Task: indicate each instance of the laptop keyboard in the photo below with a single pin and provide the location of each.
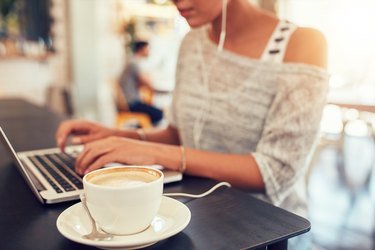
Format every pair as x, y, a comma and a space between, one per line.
58, 170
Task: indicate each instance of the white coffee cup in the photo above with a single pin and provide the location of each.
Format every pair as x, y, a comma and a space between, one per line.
125, 199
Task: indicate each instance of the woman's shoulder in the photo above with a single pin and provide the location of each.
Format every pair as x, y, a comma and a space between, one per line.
307, 46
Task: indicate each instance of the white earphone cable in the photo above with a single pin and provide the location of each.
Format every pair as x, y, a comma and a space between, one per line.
199, 122
223, 31
199, 195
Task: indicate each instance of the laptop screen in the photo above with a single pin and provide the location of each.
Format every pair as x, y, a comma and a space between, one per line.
8, 155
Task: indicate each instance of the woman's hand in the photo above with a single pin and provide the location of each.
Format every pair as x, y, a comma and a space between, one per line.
114, 149
82, 132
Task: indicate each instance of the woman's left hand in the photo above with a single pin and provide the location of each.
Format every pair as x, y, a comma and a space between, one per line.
113, 149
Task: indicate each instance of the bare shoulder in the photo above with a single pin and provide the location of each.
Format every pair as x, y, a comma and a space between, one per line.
308, 46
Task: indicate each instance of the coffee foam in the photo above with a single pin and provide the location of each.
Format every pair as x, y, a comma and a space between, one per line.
122, 178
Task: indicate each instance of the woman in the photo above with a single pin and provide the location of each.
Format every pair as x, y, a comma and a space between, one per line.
246, 109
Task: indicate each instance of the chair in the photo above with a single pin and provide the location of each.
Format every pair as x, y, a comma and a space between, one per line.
354, 122
331, 135
124, 115
58, 99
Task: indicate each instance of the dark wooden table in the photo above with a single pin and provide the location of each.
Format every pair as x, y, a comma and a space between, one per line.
227, 219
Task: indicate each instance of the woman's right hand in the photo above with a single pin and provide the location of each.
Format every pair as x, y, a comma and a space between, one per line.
81, 131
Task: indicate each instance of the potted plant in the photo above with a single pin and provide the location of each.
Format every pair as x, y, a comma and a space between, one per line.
7, 14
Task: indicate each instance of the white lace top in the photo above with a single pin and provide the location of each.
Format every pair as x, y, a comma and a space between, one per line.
266, 108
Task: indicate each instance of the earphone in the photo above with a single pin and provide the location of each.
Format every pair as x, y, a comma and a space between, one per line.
199, 122
223, 31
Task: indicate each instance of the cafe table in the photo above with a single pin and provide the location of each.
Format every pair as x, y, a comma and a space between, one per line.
228, 218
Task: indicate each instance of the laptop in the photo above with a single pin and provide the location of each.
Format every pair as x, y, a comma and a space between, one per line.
50, 173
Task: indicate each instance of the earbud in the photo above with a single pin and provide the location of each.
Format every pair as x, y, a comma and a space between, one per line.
220, 45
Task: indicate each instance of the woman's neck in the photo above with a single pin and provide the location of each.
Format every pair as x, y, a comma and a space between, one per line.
241, 17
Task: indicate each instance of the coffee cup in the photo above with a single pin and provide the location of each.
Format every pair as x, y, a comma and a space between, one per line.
123, 200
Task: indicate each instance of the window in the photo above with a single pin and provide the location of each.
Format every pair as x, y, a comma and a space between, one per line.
347, 25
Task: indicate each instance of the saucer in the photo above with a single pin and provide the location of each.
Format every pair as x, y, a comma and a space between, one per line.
172, 217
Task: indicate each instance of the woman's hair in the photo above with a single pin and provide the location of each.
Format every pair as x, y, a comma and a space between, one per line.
138, 45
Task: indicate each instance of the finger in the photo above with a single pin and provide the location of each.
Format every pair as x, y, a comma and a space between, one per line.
82, 139
67, 128
61, 142
89, 157
100, 162
77, 140
79, 159
62, 133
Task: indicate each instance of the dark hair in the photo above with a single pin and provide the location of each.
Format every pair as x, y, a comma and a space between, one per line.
138, 45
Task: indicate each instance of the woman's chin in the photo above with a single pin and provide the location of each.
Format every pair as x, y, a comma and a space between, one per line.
195, 23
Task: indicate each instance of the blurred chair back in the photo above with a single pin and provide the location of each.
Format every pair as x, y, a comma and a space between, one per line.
59, 99
124, 115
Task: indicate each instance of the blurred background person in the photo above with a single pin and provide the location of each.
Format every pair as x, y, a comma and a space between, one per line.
133, 79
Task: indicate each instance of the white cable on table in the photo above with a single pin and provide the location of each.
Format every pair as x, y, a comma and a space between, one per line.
202, 194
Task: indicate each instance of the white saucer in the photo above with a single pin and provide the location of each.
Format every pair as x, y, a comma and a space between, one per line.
172, 218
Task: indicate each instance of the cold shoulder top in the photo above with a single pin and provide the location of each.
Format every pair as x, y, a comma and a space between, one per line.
225, 102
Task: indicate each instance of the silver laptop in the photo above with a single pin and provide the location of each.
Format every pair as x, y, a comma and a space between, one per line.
50, 173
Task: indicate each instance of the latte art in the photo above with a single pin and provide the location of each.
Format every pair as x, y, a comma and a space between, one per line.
118, 182
123, 179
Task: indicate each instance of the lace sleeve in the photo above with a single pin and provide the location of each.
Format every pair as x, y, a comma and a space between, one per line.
290, 131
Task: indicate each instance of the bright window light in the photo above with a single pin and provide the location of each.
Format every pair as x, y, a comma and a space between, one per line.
347, 25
